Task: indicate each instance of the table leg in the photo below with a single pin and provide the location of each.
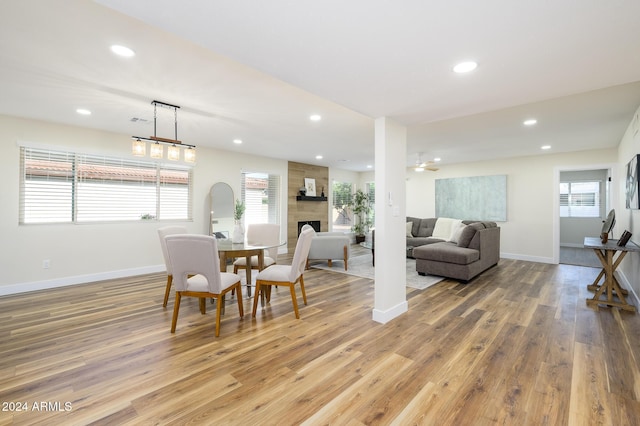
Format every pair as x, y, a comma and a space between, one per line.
248, 274
610, 284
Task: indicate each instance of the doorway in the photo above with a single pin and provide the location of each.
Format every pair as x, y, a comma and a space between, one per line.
584, 199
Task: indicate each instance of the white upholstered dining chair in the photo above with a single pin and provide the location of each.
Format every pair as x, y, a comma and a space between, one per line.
286, 275
162, 233
258, 234
196, 273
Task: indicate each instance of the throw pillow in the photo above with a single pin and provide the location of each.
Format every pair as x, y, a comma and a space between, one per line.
443, 228
457, 232
409, 227
467, 234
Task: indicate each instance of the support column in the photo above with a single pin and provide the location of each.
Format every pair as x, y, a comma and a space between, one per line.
390, 251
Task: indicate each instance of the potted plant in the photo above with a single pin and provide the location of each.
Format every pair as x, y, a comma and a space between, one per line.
361, 206
238, 229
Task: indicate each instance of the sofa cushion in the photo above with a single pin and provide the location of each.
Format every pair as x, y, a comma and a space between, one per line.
420, 241
425, 228
446, 252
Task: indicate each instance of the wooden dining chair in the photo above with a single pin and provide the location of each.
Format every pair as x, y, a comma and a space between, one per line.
196, 273
285, 275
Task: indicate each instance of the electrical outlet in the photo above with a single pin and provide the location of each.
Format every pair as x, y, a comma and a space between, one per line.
46, 263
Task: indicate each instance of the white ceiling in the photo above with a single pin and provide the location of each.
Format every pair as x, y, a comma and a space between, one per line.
256, 70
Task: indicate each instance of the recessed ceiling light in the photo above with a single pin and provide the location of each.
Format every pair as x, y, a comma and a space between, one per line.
530, 122
237, 141
369, 166
545, 147
83, 111
122, 51
437, 159
463, 67
315, 117
318, 157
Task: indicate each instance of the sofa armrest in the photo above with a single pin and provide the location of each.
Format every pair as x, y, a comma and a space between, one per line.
490, 245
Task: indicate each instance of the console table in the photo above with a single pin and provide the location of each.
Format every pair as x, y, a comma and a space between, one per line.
610, 287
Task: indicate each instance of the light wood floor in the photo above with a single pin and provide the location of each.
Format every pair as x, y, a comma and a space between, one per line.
516, 346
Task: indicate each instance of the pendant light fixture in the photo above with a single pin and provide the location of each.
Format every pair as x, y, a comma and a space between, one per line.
139, 145
156, 150
139, 148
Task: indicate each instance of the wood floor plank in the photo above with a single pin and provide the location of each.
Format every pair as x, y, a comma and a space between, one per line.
590, 402
517, 345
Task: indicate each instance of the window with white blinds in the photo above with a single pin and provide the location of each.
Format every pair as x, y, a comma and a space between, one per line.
371, 192
580, 199
260, 193
65, 187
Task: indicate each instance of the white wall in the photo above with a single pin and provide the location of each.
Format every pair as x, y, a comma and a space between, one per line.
625, 218
528, 232
87, 252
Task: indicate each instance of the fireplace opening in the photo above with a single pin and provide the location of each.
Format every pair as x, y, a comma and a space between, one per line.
315, 224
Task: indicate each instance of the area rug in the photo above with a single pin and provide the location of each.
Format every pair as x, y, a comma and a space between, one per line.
361, 266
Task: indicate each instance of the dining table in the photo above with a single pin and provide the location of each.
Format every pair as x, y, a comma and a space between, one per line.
230, 250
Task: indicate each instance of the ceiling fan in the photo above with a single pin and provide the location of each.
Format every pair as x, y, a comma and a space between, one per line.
421, 166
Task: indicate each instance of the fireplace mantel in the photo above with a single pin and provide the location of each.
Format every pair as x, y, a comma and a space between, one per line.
305, 198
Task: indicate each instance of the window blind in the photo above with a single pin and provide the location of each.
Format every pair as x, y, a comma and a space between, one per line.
580, 199
261, 194
69, 187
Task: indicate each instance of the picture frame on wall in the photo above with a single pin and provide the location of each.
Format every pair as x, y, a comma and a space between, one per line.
633, 201
310, 184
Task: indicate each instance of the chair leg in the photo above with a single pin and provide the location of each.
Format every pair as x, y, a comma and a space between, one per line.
295, 302
345, 257
269, 293
176, 308
329, 262
167, 290
240, 304
304, 295
203, 305
255, 298
218, 302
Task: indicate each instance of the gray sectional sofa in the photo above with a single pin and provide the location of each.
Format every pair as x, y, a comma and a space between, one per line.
474, 249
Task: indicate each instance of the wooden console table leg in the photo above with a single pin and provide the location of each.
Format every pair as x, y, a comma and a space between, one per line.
610, 284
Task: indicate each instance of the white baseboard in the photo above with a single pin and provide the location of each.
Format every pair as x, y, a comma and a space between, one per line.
627, 286
78, 279
384, 317
538, 259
